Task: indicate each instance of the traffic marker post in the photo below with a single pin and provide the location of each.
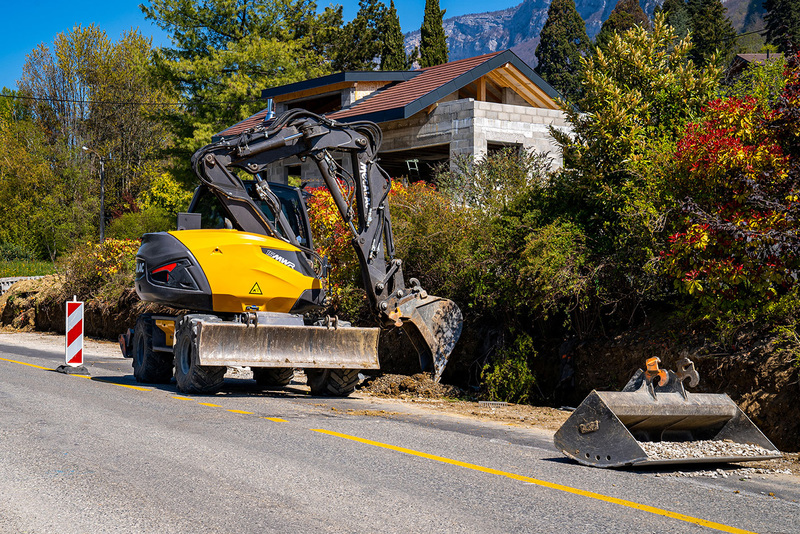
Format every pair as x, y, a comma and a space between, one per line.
73, 342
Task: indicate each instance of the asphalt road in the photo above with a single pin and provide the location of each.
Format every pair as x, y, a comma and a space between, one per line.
108, 455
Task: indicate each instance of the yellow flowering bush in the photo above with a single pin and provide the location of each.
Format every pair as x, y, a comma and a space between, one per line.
94, 267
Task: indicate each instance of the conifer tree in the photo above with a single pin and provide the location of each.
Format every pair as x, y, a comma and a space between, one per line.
712, 32
782, 21
433, 42
563, 41
677, 16
393, 54
626, 15
360, 42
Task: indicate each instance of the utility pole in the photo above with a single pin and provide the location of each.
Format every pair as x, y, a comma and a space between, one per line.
102, 192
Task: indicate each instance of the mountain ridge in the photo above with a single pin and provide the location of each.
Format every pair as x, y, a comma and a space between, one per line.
518, 27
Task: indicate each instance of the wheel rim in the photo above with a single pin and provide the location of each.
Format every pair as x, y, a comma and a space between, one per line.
185, 358
138, 351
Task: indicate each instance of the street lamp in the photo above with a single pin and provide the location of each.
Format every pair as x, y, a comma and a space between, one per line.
102, 191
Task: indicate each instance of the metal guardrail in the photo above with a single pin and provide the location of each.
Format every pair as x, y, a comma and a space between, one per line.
6, 283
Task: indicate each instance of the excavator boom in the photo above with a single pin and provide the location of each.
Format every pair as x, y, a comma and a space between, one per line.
432, 323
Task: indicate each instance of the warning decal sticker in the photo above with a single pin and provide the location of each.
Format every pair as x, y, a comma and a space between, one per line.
256, 290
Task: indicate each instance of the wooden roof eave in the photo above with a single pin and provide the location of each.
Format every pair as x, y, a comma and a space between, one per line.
546, 96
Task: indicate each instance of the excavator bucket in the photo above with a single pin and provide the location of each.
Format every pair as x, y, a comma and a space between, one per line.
434, 325
655, 421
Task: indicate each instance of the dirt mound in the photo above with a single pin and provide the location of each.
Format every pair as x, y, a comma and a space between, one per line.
420, 385
40, 305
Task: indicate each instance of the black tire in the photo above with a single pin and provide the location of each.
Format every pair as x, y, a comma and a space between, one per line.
190, 376
148, 366
272, 376
332, 382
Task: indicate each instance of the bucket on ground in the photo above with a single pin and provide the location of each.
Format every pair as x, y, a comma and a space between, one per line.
654, 421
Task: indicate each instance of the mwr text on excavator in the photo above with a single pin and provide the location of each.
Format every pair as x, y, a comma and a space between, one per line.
243, 264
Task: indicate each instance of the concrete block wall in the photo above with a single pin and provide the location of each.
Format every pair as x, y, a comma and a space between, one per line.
468, 126
449, 123
517, 125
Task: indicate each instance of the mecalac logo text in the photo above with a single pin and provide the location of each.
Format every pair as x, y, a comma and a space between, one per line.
277, 257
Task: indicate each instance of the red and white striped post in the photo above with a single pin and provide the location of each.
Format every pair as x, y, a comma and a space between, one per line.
74, 338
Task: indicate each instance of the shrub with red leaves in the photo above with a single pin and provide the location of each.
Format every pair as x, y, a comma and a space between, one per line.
739, 172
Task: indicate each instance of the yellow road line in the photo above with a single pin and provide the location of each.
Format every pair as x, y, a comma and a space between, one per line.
183, 398
543, 483
28, 364
275, 419
209, 404
241, 411
137, 388
93, 378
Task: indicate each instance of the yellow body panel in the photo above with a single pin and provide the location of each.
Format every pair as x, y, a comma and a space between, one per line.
241, 276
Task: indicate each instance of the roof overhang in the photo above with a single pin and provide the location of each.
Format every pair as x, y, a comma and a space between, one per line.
505, 69
333, 82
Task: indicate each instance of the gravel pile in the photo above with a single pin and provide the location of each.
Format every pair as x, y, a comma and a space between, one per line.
675, 450
744, 473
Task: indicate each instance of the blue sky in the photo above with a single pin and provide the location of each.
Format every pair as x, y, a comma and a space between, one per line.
26, 24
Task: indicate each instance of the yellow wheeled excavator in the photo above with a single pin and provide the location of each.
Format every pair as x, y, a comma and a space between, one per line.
243, 263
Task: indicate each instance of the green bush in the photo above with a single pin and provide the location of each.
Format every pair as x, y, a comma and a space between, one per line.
165, 193
509, 378
100, 270
15, 251
134, 225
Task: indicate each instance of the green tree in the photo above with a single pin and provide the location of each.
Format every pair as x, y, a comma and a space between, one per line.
92, 91
626, 15
563, 41
713, 35
762, 82
433, 42
640, 91
225, 52
12, 107
677, 16
48, 202
782, 21
393, 54
361, 41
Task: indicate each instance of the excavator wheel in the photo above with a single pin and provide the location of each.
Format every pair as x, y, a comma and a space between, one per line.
273, 376
332, 382
148, 366
190, 376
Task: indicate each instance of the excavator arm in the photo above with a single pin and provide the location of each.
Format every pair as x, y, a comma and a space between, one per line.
432, 323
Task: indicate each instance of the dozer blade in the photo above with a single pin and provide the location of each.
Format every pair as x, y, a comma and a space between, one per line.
651, 424
434, 325
232, 344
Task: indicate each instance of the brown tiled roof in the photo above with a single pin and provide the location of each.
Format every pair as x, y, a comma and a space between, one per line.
404, 93
412, 91
758, 59
239, 127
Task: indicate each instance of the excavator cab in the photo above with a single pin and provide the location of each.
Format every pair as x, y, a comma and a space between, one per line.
213, 214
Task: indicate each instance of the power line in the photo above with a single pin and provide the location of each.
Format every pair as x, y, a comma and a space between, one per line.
128, 103
760, 32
